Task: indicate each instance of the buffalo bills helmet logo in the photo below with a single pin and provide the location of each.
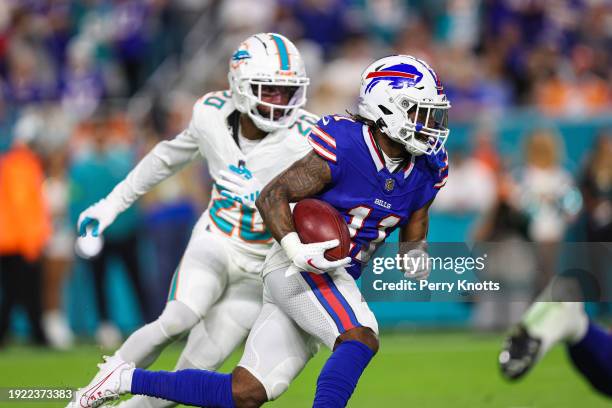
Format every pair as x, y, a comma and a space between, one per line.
399, 76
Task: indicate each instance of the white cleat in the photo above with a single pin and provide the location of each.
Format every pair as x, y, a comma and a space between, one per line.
112, 380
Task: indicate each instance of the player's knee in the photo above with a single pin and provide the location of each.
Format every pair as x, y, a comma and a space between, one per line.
247, 391
176, 319
363, 335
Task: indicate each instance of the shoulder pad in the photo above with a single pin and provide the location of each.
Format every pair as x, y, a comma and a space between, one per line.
325, 135
304, 122
308, 116
215, 99
212, 105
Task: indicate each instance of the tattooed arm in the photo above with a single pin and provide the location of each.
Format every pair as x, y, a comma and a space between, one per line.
413, 244
418, 224
303, 179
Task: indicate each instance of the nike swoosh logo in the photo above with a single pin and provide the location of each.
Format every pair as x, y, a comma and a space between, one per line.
90, 393
309, 262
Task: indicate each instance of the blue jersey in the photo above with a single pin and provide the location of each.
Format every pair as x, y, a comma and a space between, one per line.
373, 200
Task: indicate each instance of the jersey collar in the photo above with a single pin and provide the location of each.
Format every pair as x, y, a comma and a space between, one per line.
409, 166
233, 123
376, 155
377, 158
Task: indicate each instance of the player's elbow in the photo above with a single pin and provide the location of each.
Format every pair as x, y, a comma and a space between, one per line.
266, 198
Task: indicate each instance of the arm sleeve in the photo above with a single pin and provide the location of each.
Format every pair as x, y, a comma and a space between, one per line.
166, 158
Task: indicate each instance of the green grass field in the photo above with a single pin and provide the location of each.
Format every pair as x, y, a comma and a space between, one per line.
412, 370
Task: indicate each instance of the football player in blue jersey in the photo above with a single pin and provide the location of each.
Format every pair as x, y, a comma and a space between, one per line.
381, 169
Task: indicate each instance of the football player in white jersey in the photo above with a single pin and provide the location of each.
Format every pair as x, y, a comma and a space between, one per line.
248, 135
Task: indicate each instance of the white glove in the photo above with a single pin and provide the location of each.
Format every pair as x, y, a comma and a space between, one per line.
97, 218
310, 257
88, 246
417, 264
240, 185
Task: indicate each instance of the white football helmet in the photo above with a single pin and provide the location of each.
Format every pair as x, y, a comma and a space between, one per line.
263, 60
404, 97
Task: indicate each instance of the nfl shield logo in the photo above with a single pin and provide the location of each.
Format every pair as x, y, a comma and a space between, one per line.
389, 184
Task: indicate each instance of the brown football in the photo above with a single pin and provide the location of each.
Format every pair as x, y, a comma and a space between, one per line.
317, 221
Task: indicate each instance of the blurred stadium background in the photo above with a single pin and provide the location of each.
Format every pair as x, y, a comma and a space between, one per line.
90, 86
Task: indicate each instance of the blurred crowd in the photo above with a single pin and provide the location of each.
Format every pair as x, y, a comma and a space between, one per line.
70, 69
490, 54
67, 72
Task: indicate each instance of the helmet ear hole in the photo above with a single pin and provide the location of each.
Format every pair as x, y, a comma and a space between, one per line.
380, 123
384, 110
405, 103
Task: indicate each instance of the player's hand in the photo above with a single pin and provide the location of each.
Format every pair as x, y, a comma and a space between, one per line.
240, 185
96, 218
417, 265
311, 257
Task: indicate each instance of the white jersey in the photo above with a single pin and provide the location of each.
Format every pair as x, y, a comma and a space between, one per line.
210, 135
217, 143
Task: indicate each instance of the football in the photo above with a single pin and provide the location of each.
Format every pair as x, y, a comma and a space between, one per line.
317, 221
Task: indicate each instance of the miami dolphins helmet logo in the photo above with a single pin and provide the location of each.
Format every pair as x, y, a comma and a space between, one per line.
241, 55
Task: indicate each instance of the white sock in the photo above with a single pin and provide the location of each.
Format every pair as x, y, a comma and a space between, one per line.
146, 344
125, 381
582, 324
554, 322
143, 401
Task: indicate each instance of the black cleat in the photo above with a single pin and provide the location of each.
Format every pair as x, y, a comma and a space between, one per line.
519, 353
